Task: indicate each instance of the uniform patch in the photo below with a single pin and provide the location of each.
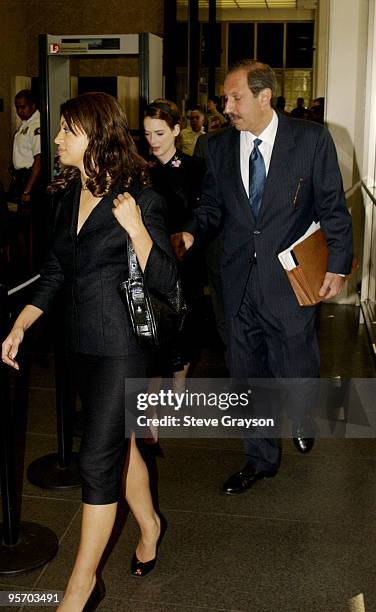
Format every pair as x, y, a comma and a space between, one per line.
37, 131
25, 131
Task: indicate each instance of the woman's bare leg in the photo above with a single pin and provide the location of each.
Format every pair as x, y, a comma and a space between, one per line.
138, 496
96, 527
179, 379
151, 412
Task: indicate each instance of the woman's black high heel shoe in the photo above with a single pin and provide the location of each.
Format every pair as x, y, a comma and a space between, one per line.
140, 569
96, 596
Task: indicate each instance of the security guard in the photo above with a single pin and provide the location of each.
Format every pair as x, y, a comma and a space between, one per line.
25, 188
26, 149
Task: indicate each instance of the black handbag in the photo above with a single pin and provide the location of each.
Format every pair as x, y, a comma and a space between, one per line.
156, 319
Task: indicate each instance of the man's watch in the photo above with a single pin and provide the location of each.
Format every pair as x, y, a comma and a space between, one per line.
26, 193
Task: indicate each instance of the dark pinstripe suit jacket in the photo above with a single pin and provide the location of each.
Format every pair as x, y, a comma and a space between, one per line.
303, 184
90, 266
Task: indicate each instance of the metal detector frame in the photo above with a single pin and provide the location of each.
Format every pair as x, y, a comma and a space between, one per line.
55, 52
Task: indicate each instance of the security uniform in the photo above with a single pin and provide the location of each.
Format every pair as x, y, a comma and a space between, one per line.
26, 146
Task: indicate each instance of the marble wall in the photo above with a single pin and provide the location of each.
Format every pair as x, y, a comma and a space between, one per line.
13, 61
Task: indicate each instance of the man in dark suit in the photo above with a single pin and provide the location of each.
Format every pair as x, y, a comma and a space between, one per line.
268, 178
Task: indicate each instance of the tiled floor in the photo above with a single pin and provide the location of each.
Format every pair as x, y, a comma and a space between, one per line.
304, 541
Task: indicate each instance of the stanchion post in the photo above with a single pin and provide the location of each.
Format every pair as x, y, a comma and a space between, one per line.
11, 521
24, 546
65, 406
59, 470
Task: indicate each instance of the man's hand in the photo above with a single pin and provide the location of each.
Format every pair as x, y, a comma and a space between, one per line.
181, 242
26, 197
332, 285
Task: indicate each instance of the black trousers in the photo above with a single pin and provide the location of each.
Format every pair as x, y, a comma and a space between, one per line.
264, 346
100, 382
35, 212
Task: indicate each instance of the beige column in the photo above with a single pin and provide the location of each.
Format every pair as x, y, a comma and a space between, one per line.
346, 84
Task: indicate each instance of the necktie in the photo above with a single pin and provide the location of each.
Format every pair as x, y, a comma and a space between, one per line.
257, 176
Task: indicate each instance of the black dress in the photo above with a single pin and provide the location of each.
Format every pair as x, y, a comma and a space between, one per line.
87, 268
179, 182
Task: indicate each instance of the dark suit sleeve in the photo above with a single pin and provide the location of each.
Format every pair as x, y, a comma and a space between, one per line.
208, 215
50, 283
330, 205
51, 275
201, 147
161, 271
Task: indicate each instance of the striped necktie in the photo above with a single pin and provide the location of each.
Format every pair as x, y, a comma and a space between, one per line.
257, 177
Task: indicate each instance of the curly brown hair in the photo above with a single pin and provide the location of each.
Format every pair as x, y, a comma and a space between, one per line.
111, 155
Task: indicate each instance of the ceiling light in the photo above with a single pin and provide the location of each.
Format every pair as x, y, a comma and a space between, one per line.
281, 4
249, 4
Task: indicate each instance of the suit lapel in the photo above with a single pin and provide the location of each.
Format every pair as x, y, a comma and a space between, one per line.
72, 211
70, 204
280, 163
235, 172
101, 214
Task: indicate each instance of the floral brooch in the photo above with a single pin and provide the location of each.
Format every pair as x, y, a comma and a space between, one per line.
176, 162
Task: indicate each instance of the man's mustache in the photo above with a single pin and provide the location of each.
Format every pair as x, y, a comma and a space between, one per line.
232, 117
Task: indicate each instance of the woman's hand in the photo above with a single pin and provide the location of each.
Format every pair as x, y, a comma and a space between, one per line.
128, 214
10, 347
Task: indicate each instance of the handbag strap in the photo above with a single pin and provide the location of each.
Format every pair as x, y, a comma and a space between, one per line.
133, 265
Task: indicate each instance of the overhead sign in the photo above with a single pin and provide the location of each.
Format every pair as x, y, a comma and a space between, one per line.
122, 44
71, 48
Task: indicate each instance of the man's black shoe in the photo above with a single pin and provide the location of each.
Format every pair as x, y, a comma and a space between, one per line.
303, 435
243, 480
304, 445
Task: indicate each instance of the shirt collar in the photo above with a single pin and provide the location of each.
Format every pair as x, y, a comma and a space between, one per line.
34, 116
202, 130
268, 134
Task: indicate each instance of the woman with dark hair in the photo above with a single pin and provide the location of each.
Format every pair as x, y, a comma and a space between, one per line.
88, 260
177, 177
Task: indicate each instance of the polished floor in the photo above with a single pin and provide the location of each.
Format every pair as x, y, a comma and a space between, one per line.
304, 541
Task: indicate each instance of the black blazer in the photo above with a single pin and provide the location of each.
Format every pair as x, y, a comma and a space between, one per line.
179, 181
88, 267
303, 184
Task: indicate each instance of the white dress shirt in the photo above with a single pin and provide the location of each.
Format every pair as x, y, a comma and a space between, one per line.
188, 139
266, 148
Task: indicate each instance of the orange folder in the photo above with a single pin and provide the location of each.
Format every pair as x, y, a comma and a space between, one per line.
311, 258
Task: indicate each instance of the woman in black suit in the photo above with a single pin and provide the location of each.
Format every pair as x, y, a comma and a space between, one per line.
177, 177
87, 261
